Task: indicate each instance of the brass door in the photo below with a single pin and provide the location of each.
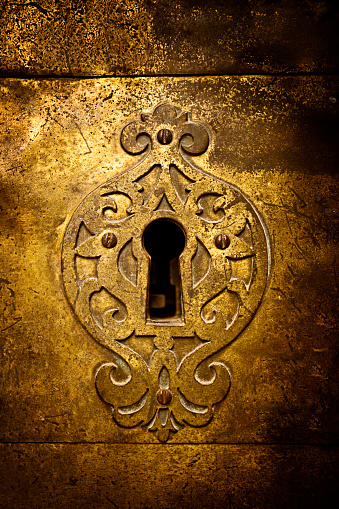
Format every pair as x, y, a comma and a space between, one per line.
239, 103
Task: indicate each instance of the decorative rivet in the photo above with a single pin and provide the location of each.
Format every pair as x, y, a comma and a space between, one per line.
164, 136
222, 241
164, 396
109, 240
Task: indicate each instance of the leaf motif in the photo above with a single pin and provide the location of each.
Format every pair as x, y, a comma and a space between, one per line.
226, 303
134, 138
116, 206
207, 208
219, 204
238, 249
236, 217
91, 248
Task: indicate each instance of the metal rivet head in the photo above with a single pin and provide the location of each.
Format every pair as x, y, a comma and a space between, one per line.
109, 240
164, 136
164, 396
222, 241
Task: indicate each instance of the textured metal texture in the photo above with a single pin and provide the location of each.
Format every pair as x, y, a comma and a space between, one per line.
204, 477
150, 37
274, 142
272, 441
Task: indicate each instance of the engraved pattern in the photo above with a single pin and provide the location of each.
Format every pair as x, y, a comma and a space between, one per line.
220, 288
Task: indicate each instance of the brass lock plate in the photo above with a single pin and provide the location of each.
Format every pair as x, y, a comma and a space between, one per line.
263, 140
165, 265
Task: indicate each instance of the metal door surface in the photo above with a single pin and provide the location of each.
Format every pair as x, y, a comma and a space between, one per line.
222, 121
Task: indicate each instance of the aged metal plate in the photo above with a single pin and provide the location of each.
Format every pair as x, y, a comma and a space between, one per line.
273, 138
167, 37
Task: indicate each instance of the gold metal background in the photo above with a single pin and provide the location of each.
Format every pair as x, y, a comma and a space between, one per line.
272, 441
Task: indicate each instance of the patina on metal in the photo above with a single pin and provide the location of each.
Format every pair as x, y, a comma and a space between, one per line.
167, 275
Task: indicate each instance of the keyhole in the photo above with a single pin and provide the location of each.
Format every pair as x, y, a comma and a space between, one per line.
164, 241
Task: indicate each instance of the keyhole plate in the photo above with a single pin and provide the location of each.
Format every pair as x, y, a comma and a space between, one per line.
162, 253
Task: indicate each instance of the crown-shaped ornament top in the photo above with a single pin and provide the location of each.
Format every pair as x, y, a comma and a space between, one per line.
166, 126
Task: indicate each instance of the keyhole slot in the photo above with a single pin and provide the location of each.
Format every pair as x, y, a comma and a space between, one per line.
164, 241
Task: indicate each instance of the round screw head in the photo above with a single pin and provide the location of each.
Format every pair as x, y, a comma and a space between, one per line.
164, 396
222, 241
109, 240
164, 136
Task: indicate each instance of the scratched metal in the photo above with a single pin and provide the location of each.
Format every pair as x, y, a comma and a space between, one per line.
115, 37
204, 476
273, 138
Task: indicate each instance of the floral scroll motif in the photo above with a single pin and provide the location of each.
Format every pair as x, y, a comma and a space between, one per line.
166, 373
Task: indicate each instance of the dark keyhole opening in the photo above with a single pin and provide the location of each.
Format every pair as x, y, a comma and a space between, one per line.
164, 241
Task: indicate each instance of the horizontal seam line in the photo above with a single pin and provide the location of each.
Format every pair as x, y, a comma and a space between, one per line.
256, 444
134, 76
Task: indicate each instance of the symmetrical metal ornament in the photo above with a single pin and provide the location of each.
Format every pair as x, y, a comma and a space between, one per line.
165, 265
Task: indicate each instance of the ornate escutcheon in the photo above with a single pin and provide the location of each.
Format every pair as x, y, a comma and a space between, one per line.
165, 265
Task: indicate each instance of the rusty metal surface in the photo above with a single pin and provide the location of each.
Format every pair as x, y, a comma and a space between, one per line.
271, 137
109, 37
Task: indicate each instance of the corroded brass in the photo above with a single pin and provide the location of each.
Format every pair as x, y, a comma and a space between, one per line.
165, 280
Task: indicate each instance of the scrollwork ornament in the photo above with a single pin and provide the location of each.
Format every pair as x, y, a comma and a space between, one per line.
154, 381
